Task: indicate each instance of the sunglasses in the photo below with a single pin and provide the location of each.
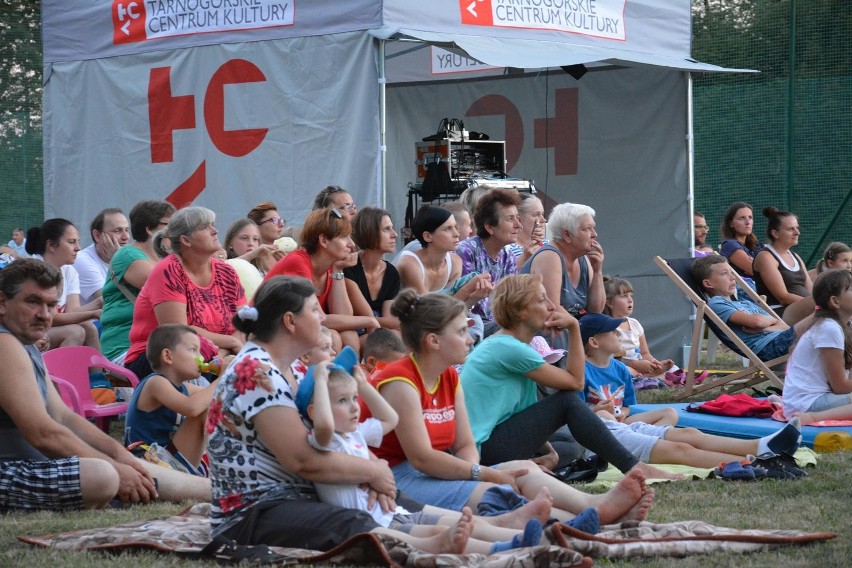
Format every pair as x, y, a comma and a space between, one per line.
276, 220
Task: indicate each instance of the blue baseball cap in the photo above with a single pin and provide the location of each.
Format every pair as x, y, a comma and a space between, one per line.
592, 324
345, 361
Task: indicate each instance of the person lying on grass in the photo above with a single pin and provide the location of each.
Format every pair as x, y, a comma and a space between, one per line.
609, 391
165, 409
328, 397
50, 457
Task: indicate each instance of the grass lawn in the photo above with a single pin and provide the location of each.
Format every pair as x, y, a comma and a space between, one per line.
817, 503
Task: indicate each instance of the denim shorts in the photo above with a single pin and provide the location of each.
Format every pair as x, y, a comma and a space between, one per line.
829, 400
780, 345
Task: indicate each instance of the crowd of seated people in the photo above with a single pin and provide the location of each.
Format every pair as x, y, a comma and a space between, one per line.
170, 310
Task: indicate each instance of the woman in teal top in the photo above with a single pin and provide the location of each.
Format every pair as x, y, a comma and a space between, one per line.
501, 376
128, 271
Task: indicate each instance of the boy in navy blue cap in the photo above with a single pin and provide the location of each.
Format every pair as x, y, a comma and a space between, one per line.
650, 436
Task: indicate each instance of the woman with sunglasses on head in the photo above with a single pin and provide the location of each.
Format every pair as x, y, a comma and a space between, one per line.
325, 249
271, 226
337, 197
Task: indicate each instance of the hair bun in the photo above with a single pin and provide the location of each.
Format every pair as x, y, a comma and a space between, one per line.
770, 211
405, 303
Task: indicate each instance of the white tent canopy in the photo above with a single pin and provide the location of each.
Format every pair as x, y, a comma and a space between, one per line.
227, 103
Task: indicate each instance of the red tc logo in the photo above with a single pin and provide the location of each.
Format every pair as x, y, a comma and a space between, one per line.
168, 112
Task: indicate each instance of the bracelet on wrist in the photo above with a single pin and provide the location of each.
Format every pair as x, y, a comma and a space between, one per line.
337, 276
475, 472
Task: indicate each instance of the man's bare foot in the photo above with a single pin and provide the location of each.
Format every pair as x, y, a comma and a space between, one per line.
639, 511
455, 539
619, 500
651, 472
539, 508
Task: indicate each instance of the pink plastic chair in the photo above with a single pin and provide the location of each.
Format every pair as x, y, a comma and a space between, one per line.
72, 364
69, 395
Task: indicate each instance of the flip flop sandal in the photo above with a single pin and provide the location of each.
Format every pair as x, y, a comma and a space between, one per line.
675, 378
701, 377
735, 471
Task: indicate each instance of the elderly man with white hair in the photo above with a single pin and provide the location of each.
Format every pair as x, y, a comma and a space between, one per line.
572, 263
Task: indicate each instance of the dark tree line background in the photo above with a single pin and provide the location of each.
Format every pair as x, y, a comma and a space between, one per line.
759, 137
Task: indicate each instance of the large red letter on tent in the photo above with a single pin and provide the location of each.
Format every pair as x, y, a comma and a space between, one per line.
166, 114
560, 132
231, 142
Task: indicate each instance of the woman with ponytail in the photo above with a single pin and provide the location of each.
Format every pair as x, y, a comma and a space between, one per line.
57, 243
432, 451
836, 255
261, 464
817, 385
779, 273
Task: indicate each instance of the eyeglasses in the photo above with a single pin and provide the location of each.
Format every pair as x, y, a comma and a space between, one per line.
349, 207
701, 227
276, 220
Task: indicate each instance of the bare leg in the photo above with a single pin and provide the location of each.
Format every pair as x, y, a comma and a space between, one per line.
798, 311
98, 482
709, 442
651, 472
190, 438
178, 486
665, 451
501, 527
838, 413
66, 335
350, 338
611, 506
92, 337
661, 417
454, 540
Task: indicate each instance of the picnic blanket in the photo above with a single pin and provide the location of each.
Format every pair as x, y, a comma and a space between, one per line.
188, 532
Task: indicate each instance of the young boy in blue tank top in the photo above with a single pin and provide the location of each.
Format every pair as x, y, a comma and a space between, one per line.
165, 409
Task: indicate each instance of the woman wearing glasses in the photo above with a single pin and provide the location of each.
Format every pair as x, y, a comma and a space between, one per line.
337, 197
271, 224
325, 249
128, 271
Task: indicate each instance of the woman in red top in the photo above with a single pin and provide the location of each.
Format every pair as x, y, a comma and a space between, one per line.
432, 451
190, 287
325, 249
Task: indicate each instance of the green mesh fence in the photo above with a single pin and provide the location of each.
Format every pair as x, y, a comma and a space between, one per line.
21, 177
782, 137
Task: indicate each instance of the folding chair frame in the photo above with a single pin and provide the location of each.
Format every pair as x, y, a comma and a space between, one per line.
757, 372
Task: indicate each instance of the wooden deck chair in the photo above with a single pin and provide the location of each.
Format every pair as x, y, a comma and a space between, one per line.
757, 371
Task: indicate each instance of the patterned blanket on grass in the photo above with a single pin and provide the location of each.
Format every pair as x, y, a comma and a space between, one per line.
188, 533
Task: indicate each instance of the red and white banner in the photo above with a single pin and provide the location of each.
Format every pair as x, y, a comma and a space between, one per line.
596, 18
142, 20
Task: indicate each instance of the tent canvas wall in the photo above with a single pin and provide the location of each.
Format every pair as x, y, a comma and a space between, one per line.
226, 103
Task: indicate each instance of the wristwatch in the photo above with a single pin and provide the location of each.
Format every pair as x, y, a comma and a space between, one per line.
475, 472
337, 276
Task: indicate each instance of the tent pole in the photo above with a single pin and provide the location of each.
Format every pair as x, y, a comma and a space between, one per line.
690, 163
382, 126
